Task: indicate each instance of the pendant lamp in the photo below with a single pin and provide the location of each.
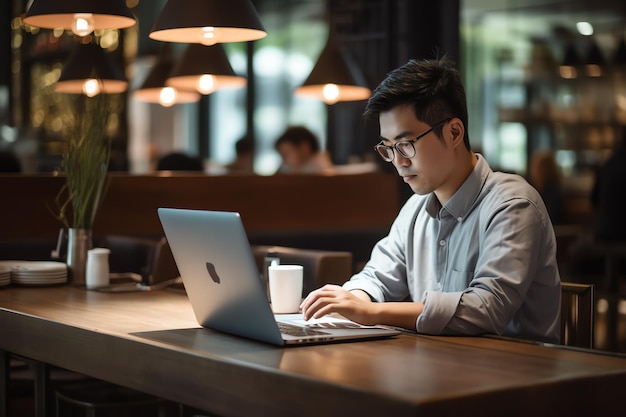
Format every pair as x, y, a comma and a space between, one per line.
204, 69
155, 90
90, 70
335, 77
208, 22
80, 16
569, 66
619, 58
594, 61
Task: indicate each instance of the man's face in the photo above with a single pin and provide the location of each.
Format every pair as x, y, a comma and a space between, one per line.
433, 162
294, 156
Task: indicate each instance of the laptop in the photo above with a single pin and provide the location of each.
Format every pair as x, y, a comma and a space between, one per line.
225, 289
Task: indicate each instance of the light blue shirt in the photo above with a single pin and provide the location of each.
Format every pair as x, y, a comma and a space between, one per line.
483, 263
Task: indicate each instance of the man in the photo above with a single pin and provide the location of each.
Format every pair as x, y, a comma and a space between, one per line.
300, 152
474, 250
244, 157
609, 223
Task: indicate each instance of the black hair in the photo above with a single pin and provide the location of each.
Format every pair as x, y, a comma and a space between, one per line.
244, 145
178, 161
297, 135
433, 87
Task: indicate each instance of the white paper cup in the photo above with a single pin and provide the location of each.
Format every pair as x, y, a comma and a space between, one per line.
285, 288
97, 275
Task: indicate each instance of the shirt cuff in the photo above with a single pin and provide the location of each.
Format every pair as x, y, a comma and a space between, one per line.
439, 308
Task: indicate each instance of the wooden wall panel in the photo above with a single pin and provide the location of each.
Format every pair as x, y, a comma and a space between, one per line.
274, 203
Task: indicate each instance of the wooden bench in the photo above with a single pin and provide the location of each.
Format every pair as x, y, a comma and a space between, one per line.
308, 211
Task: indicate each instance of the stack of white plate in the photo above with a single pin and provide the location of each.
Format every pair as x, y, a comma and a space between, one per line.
37, 272
5, 275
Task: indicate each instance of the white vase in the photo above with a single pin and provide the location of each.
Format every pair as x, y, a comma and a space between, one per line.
79, 241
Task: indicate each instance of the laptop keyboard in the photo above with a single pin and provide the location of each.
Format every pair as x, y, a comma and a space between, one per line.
298, 331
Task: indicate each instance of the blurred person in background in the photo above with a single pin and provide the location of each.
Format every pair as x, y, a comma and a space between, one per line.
544, 174
607, 199
244, 157
300, 152
591, 254
178, 161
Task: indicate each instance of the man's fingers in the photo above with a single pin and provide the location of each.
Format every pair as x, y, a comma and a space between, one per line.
308, 305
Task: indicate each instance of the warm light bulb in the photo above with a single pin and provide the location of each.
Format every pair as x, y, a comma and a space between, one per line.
83, 24
330, 93
208, 36
593, 70
167, 96
206, 84
568, 72
620, 101
91, 87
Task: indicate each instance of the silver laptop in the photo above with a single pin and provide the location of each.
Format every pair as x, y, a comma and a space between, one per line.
223, 283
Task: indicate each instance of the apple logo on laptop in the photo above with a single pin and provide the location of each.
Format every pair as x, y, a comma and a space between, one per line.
212, 272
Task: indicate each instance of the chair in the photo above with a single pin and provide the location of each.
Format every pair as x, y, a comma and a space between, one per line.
104, 399
131, 254
28, 385
577, 314
320, 266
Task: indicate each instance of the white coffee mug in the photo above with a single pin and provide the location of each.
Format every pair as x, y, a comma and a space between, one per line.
285, 283
97, 274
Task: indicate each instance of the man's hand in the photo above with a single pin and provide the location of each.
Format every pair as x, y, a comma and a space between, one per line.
357, 306
353, 305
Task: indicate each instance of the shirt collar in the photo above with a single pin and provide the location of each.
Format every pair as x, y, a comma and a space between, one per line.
463, 200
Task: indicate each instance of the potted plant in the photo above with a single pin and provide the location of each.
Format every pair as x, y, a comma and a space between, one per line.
85, 166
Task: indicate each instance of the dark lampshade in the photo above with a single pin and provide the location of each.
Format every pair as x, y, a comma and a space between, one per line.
204, 69
88, 14
208, 22
154, 88
335, 77
571, 58
90, 70
571, 62
594, 61
619, 58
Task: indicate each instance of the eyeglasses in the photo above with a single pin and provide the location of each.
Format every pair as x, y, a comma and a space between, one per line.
405, 147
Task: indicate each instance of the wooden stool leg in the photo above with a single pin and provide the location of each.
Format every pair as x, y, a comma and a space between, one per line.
42, 388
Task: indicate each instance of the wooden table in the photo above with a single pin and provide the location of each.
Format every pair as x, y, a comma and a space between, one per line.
150, 341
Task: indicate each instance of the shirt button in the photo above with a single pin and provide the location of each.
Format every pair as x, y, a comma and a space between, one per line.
459, 219
442, 242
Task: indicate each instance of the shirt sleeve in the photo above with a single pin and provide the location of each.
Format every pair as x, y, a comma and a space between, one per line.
513, 238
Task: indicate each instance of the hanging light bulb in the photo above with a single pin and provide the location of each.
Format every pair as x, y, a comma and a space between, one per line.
208, 36
83, 24
167, 96
206, 84
330, 93
91, 87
